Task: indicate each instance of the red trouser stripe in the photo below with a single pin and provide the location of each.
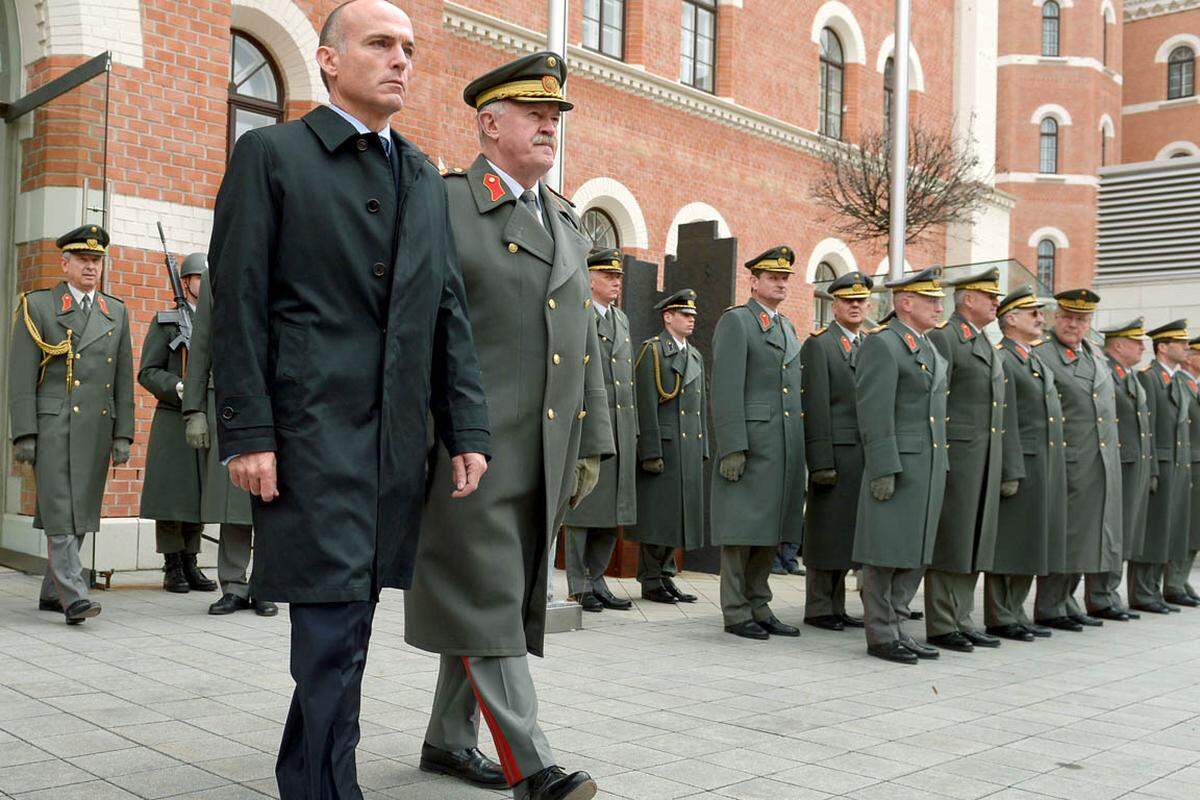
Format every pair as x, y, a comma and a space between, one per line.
512, 773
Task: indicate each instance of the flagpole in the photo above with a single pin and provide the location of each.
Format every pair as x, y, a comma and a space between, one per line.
899, 135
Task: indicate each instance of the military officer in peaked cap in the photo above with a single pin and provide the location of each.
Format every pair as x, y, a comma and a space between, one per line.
1167, 523
901, 387
672, 446
1176, 578
758, 485
834, 452
592, 525
70, 397
479, 594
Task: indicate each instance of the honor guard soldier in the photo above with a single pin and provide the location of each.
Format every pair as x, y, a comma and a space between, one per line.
1089, 407
174, 471
900, 382
1176, 580
592, 526
1169, 517
1031, 529
220, 501
834, 452
1124, 345
672, 448
71, 402
759, 483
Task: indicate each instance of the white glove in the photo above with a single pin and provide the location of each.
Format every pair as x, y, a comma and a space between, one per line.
179, 389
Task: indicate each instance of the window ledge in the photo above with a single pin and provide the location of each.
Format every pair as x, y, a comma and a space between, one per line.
1050, 177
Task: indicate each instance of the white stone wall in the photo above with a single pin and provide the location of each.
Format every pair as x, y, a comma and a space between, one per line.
88, 27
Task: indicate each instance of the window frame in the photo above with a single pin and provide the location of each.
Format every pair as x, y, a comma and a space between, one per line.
616, 232
600, 24
889, 92
1044, 271
826, 67
1054, 19
1043, 134
234, 100
708, 7
823, 307
1182, 66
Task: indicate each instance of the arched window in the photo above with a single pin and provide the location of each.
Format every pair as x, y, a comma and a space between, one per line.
1181, 73
889, 92
601, 228
1103, 148
1045, 264
1048, 160
1050, 28
1181, 154
832, 80
822, 308
255, 90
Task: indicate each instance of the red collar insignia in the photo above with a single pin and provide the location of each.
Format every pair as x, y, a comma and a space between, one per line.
1192, 385
66, 303
1166, 378
911, 342
1120, 371
966, 331
1021, 351
845, 344
764, 319
103, 306
1071, 355
493, 184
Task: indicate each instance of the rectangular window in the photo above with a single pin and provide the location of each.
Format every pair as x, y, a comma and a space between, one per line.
604, 26
698, 44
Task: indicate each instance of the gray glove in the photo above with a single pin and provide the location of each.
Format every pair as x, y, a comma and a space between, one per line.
195, 430
1153, 484
883, 488
587, 475
654, 466
1009, 488
25, 450
733, 465
120, 451
824, 477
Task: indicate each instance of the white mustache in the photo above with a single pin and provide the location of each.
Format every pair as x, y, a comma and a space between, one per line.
542, 139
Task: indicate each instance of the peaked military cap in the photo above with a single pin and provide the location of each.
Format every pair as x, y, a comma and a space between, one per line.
777, 259
608, 260
1133, 329
85, 239
851, 286
683, 301
194, 264
927, 282
987, 281
1082, 301
1194, 343
1021, 297
535, 78
1172, 331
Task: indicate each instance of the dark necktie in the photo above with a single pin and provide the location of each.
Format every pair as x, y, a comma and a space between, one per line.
854, 350
86, 303
529, 203
393, 161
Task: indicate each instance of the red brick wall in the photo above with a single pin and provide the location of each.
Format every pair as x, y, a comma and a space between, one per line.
1146, 82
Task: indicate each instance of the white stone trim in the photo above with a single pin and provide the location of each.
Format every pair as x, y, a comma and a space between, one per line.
1160, 105
886, 264
47, 212
1108, 12
1164, 49
1067, 179
1174, 147
89, 27
1143, 9
836, 252
287, 33
841, 20
1053, 234
1106, 125
916, 73
615, 199
1060, 114
1061, 3
694, 212
1080, 62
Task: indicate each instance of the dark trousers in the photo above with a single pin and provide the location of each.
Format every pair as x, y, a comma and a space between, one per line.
329, 654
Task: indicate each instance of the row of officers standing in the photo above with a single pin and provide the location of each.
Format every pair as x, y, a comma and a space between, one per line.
916, 450
72, 409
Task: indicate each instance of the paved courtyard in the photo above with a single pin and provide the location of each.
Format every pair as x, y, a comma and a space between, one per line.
156, 699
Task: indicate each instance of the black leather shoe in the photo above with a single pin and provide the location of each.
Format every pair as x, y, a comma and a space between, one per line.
1132, 614
797, 570
264, 608
916, 616
980, 639
773, 626
918, 649
1153, 608
681, 596
1115, 614
609, 600
53, 604
852, 622
589, 602
892, 651
658, 594
553, 783
469, 766
1173, 609
1181, 600
1192, 593
1061, 624
748, 630
778, 570
952, 641
829, 623
173, 578
80, 610
1018, 633
1086, 620
1039, 631
228, 604
196, 580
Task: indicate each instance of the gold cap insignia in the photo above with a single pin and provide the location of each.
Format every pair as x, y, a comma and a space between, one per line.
550, 84
551, 62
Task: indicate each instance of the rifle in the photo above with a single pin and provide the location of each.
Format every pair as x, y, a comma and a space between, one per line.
181, 314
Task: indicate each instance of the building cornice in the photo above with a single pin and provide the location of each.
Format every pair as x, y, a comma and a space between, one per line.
1061, 179
1078, 62
1143, 9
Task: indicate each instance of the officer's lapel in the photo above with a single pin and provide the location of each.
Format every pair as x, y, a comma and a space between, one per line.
771, 327
520, 230
99, 323
523, 230
792, 347
693, 366
570, 246
70, 315
621, 345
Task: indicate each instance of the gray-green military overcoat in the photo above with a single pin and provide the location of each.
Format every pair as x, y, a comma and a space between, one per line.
614, 501
670, 505
1032, 526
1085, 389
831, 441
901, 390
1194, 436
1168, 520
479, 587
75, 424
757, 405
981, 453
220, 500
172, 480
1138, 463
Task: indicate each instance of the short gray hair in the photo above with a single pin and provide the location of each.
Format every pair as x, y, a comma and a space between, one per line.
497, 108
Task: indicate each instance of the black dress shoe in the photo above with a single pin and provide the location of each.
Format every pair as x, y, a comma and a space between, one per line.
1192, 593
1132, 614
469, 765
228, 604
918, 649
80, 610
589, 602
892, 651
609, 600
553, 783
1039, 631
748, 630
778, 570
851, 622
954, 640
829, 623
980, 639
1086, 619
1018, 633
797, 570
1115, 614
1181, 600
265, 608
53, 604
1061, 624
658, 594
681, 596
1173, 609
1153, 608
773, 626
916, 616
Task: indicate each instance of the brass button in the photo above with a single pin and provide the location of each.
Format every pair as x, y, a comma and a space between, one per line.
76, 382
587, 303
685, 436
618, 406
682, 413
551, 303
787, 413
361, 144
557, 359
613, 360
104, 412
785, 390
75, 409
109, 359
108, 386
512, 247
586, 359
78, 356
550, 413
581, 415
373, 205
110, 333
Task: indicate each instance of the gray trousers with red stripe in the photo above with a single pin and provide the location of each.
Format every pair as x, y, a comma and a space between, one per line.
500, 690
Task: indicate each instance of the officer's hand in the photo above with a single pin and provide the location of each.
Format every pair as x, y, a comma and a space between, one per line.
587, 475
195, 430
255, 473
733, 465
179, 389
467, 470
883, 488
1009, 488
120, 451
25, 450
824, 477
1153, 484
654, 466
